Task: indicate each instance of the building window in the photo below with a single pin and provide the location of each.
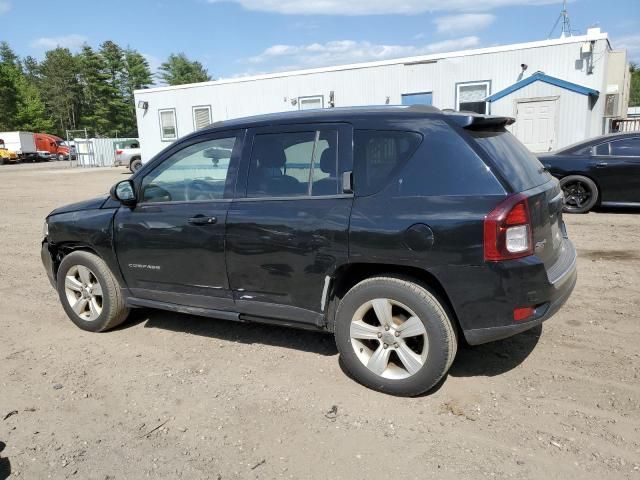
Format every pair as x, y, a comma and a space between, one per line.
470, 96
310, 103
201, 117
424, 98
168, 125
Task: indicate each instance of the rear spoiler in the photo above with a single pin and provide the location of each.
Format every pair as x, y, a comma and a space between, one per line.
476, 121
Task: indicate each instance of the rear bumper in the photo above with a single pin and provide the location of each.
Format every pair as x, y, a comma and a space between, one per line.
485, 296
544, 312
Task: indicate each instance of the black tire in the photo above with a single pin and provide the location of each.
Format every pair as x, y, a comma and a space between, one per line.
136, 164
440, 335
580, 193
113, 308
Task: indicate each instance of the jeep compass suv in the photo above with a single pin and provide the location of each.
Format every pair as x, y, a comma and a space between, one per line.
397, 229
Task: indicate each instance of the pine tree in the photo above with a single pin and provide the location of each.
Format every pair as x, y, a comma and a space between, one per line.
178, 70
60, 88
96, 92
137, 76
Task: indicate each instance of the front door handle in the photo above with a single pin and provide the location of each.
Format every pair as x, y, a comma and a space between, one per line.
601, 164
202, 220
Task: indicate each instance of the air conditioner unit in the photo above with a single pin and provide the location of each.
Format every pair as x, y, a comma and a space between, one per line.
611, 105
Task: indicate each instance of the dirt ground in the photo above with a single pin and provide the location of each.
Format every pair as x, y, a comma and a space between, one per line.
174, 396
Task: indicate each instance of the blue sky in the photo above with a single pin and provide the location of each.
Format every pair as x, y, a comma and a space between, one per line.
237, 37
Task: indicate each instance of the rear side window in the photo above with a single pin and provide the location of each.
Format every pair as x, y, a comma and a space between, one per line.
294, 164
378, 155
629, 147
518, 165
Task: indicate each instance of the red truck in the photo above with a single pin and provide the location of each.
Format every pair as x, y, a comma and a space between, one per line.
56, 147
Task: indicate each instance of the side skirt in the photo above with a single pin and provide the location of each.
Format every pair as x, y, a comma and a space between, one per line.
219, 314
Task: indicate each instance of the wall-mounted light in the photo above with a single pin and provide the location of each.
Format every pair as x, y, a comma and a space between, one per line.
143, 105
294, 101
386, 102
332, 99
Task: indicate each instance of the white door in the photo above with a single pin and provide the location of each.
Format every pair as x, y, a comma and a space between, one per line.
536, 124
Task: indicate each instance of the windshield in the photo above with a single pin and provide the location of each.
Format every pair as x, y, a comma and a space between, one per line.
518, 165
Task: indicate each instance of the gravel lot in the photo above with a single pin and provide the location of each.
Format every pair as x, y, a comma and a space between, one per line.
172, 396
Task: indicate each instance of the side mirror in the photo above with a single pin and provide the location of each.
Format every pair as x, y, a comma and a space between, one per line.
124, 192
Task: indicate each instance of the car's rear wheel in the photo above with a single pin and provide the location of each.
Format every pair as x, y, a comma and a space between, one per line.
580, 193
89, 292
135, 165
394, 336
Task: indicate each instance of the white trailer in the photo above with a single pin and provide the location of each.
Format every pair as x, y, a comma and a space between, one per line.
23, 143
560, 91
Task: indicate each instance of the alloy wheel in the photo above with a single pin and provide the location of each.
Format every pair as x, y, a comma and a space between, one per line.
84, 292
389, 338
576, 194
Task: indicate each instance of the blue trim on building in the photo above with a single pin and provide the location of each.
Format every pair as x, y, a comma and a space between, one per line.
539, 76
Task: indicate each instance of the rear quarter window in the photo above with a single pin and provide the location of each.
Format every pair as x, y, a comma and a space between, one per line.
378, 155
445, 165
516, 163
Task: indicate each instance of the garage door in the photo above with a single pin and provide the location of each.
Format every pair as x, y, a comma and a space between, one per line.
536, 124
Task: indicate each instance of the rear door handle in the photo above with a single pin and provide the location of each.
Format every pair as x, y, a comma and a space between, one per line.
202, 220
601, 164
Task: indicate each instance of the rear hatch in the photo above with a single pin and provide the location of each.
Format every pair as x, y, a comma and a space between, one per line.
525, 174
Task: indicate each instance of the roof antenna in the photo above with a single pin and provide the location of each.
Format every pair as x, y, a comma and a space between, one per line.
566, 23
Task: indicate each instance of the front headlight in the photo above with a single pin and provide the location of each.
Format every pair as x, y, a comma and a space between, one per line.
45, 229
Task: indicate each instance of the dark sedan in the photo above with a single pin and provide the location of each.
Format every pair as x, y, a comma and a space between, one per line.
600, 171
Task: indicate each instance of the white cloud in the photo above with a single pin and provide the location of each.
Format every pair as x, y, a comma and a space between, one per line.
5, 6
463, 23
72, 42
340, 52
375, 7
631, 43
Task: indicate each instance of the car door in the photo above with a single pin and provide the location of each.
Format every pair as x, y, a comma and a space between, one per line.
288, 231
616, 168
171, 245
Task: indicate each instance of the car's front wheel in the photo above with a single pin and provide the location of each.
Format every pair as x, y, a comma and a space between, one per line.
580, 193
89, 292
394, 336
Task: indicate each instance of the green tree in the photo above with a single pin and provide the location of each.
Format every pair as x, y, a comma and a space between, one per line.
8, 56
60, 88
634, 94
96, 91
115, 102
178, 70
8, 96
137, 76
30, 110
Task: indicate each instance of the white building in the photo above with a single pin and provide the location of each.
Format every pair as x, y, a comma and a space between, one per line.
560, 91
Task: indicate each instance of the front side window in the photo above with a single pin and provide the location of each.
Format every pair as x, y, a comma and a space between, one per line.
198, 172
628, 147
293, 164
168, 125
471, 97
377, 155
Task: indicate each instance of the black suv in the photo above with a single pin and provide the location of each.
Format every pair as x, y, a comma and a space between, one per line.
398, 229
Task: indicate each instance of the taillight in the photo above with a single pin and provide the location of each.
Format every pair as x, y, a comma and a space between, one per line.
508, 231
118, 152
